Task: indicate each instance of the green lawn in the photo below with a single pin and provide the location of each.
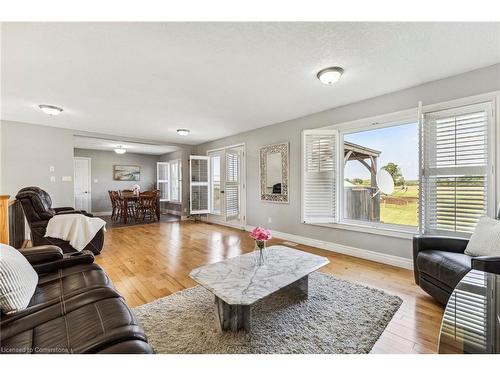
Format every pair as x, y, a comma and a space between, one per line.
399, 214
409, 191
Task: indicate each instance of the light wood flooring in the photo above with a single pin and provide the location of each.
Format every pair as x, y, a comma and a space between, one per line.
150, 261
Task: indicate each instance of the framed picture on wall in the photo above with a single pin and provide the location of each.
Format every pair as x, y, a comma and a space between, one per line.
126, 173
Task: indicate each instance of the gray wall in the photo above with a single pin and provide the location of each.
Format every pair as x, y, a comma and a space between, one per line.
102, 170
183, 154
286, 217
28, 151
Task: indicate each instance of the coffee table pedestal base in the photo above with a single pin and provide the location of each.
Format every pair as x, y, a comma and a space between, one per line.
231, 317
236, 317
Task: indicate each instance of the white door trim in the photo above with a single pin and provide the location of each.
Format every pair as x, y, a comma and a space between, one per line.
90, 179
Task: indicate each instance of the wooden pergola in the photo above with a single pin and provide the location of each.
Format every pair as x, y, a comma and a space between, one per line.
366, 156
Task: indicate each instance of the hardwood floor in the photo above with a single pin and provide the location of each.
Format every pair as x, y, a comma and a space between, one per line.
150, 261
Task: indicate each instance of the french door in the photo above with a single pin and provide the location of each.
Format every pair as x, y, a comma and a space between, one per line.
227, 185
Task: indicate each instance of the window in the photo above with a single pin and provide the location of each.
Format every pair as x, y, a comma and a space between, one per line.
395, 149
163, 180
441, 168
169, 181
456, 171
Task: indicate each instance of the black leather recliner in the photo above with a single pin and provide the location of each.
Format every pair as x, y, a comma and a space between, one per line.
37, 207
439, 263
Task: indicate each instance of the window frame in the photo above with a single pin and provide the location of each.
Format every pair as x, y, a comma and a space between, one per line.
374, 125
494, 156
491, 102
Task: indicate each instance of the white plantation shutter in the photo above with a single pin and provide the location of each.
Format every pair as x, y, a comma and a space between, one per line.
162, 180
232, 188
199, 184
319, 185
455, 169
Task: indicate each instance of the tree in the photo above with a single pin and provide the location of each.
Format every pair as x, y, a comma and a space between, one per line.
395, 172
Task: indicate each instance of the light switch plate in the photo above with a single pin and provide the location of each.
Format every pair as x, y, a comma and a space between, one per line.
96, 181
52, 178
52, 168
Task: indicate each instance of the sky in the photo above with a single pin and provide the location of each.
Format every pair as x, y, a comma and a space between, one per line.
398, 144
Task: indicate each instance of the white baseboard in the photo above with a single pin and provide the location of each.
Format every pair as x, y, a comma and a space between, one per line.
343, 249
226, 224
172, 212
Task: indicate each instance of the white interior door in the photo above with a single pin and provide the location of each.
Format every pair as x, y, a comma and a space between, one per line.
82, 183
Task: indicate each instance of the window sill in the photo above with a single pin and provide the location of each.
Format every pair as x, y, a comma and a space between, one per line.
389, 232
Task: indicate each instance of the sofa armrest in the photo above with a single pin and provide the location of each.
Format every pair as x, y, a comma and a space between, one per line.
68, 260
42, 254
486, 263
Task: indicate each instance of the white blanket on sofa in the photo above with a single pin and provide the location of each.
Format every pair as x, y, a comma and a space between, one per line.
78, 229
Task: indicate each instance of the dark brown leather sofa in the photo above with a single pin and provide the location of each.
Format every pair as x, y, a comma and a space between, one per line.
75, 309
37, 207
439, 263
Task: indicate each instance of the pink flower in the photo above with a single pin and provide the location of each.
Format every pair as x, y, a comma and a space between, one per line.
261, 234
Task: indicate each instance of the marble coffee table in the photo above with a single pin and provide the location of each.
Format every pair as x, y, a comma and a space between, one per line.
239, 282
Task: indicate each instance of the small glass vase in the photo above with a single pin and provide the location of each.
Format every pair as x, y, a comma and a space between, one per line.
260, 254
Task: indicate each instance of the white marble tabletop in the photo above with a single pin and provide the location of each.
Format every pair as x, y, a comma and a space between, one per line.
240, 281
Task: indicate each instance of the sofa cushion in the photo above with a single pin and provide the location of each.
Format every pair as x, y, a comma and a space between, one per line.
445, 266
18, 280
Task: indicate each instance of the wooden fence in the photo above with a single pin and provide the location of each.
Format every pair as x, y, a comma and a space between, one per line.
360, 204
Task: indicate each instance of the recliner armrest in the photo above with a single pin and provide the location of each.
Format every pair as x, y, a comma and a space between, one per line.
74, 212
486, 263
68, 260
42, 254
59, 209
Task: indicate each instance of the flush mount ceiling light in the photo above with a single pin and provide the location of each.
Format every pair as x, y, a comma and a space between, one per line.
331, 75
120, 150
51, 110
183, 132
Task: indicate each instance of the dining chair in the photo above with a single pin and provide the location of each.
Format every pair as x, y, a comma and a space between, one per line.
146, 205
113, 204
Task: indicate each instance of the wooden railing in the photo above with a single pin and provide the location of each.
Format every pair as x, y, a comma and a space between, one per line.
4, 219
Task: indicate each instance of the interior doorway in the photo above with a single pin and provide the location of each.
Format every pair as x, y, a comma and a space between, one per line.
82, 183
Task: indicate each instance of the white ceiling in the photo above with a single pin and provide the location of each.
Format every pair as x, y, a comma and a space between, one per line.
94, 143
145, 80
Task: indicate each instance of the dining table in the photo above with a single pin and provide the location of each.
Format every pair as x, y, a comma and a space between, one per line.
131, 197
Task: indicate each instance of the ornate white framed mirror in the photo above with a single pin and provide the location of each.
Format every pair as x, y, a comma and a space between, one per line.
274, 170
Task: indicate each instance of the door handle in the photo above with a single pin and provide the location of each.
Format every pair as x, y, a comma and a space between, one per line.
222, 191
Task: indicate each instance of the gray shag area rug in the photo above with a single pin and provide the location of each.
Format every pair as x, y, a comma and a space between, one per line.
337, 317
